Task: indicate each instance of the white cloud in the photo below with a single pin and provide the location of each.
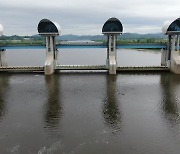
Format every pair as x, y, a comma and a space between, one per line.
142, 29
86, 17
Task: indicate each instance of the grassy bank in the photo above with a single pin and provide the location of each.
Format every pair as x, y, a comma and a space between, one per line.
41, 42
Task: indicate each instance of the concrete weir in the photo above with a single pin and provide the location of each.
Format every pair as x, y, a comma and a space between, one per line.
22, 69
118, 69
84, 68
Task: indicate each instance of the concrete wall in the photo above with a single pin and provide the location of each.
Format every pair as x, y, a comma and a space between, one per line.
175, 62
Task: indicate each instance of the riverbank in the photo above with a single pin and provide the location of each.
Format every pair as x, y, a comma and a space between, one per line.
122, 46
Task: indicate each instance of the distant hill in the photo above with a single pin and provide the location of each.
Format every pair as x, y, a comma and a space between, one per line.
102, 37
71, 37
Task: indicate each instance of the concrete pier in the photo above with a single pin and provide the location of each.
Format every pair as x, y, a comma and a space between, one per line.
171, 56
50, 55
49, 29
111, 59
112, 28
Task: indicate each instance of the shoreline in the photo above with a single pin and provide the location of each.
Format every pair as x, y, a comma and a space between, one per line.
119, 46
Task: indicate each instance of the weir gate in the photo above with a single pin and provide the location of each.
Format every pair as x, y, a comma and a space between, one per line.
84, 67
170, 60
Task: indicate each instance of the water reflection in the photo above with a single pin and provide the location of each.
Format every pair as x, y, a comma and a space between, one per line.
170, 85
111, 111
53, 106
4, 84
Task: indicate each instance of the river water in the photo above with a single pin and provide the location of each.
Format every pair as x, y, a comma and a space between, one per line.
84, 56
89, 112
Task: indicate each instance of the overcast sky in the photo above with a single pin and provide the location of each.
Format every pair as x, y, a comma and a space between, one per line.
86, 17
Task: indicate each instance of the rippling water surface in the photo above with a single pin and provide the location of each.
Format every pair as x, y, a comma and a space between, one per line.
89, 113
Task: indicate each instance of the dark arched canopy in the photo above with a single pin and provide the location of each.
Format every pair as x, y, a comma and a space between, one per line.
47, 27
171, 27
174, 26
112, 25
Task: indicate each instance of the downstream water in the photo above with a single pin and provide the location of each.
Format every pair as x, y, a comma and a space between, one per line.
89, 113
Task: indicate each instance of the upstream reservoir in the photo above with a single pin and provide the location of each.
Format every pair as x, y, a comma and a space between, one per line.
21, 56
82, 112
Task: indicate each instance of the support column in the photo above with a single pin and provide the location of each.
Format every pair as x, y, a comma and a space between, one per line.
3, 58
111, 60
177, 43
55, 53
173, 46
168, 57
50, 55
163, 57
107, 60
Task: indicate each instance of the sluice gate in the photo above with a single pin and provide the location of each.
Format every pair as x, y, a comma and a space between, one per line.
142, 68
22, 69
81, 67
118, 69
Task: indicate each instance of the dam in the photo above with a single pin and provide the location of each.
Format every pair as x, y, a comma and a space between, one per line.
135, 111
111, 28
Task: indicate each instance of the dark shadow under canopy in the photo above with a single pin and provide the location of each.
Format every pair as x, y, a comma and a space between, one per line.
171, 27
112, 25
174, 26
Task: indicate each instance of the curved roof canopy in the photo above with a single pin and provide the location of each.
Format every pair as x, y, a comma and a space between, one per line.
170, 27
47, 27
112, 26
1, 30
